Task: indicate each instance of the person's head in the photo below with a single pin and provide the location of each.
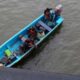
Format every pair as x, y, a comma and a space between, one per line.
47, 11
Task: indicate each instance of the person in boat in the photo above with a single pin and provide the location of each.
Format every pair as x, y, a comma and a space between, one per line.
48, 18
41, 34
58, 11
23, 48
40, 28
27, 43
33, 34
41, 31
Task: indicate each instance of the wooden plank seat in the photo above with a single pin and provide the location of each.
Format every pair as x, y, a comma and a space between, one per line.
44, 25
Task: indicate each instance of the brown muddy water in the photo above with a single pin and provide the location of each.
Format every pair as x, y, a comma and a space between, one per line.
60, 53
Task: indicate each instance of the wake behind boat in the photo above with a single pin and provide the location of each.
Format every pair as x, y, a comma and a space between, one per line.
19, 45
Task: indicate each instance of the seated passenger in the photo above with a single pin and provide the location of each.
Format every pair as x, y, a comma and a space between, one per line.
23, 48
41, 31
58, 10
33, 34
28, 43
41, 34
40, 28
48, 18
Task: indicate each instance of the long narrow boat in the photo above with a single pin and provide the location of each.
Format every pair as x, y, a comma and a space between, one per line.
11, 45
